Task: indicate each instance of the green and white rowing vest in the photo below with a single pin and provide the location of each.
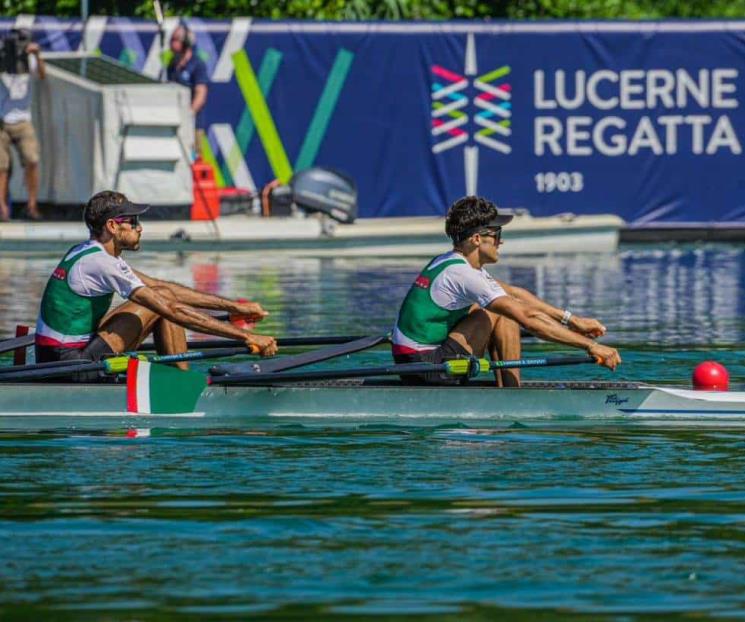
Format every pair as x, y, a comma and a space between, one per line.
421, 320
68, 319
441, 296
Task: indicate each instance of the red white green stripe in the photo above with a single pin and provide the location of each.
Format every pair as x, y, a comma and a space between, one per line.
160, 389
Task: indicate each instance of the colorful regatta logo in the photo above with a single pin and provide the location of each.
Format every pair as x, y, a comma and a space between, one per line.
449, 116
473, 110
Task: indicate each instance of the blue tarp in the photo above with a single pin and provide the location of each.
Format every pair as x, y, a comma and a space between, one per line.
638, 119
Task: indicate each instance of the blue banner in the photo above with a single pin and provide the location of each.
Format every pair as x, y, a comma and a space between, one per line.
638, 119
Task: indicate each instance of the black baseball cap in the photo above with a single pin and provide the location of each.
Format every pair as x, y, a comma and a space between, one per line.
114, 210
497, 221
108, 204
128, 209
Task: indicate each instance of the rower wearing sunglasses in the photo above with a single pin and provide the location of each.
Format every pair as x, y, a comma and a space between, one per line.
75, 321
456, 309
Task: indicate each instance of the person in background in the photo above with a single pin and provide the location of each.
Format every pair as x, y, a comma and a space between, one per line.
187, 69
16, 128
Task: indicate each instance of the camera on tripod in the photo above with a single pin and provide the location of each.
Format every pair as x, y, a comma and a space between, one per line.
13, 54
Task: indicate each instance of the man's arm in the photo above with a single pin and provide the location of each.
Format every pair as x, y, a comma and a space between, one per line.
180, 312
200, 98
200, 87
542, 325
35, 51
583, 325
203, 300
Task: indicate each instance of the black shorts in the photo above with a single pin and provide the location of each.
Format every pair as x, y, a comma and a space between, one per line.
95, 351
447, 351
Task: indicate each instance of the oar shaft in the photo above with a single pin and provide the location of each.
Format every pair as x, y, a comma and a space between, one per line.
282, 342
32, 366
327, 374
195, 355
548, 361
52, 372
460, 367
17, 342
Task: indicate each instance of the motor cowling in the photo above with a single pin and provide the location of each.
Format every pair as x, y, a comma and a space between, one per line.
315, 189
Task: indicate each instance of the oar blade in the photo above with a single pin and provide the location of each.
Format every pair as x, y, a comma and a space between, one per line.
161, 390
282, 363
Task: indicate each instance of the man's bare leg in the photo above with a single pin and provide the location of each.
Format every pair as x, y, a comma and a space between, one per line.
505, 346
482, 329
170, 338
127, 326
4, 210
474, 332
32, 186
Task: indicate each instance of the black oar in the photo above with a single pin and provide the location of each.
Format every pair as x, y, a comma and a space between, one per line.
282, 342
113, 365
457, 367
32, 366
281, 363
16, 342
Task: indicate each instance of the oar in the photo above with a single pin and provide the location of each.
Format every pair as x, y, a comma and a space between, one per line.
282, 342
118, 364
281, 363
16, 342
113, 365
31, 366
457, 367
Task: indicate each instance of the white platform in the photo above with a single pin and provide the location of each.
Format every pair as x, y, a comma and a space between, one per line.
404, 237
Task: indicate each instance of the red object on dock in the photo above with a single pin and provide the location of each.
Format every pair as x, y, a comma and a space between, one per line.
206, 204
710, 376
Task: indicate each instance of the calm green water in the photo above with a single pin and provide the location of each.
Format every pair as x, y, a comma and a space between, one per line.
292, 522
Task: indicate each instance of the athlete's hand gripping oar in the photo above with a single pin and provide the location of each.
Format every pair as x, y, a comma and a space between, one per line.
458, 367
246, 317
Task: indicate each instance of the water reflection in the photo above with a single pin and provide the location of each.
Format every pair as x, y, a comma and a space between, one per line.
671, 297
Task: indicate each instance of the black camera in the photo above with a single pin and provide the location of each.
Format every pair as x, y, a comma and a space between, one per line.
13, 54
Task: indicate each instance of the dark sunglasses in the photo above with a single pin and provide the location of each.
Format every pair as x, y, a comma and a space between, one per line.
495, 233
134, 221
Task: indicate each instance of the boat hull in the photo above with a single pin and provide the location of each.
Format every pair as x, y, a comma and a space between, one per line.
102, 407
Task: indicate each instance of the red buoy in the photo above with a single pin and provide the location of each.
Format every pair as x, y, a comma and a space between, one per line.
710, 376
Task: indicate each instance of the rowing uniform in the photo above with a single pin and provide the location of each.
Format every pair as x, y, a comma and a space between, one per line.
441, 296
76, 298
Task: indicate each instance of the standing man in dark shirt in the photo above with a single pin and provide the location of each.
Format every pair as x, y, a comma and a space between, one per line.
188, 69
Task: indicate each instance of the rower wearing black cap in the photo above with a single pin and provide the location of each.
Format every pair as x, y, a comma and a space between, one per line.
75, 322
456, 309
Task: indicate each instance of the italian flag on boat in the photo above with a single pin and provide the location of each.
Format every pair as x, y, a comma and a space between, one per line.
162, 390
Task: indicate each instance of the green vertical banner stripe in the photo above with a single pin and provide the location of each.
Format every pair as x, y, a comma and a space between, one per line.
268, 70
324, 110
262, 118
209, 157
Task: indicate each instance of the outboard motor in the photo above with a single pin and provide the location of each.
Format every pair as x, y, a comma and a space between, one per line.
313, 190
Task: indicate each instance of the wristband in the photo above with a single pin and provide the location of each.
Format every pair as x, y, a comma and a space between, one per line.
566, 317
